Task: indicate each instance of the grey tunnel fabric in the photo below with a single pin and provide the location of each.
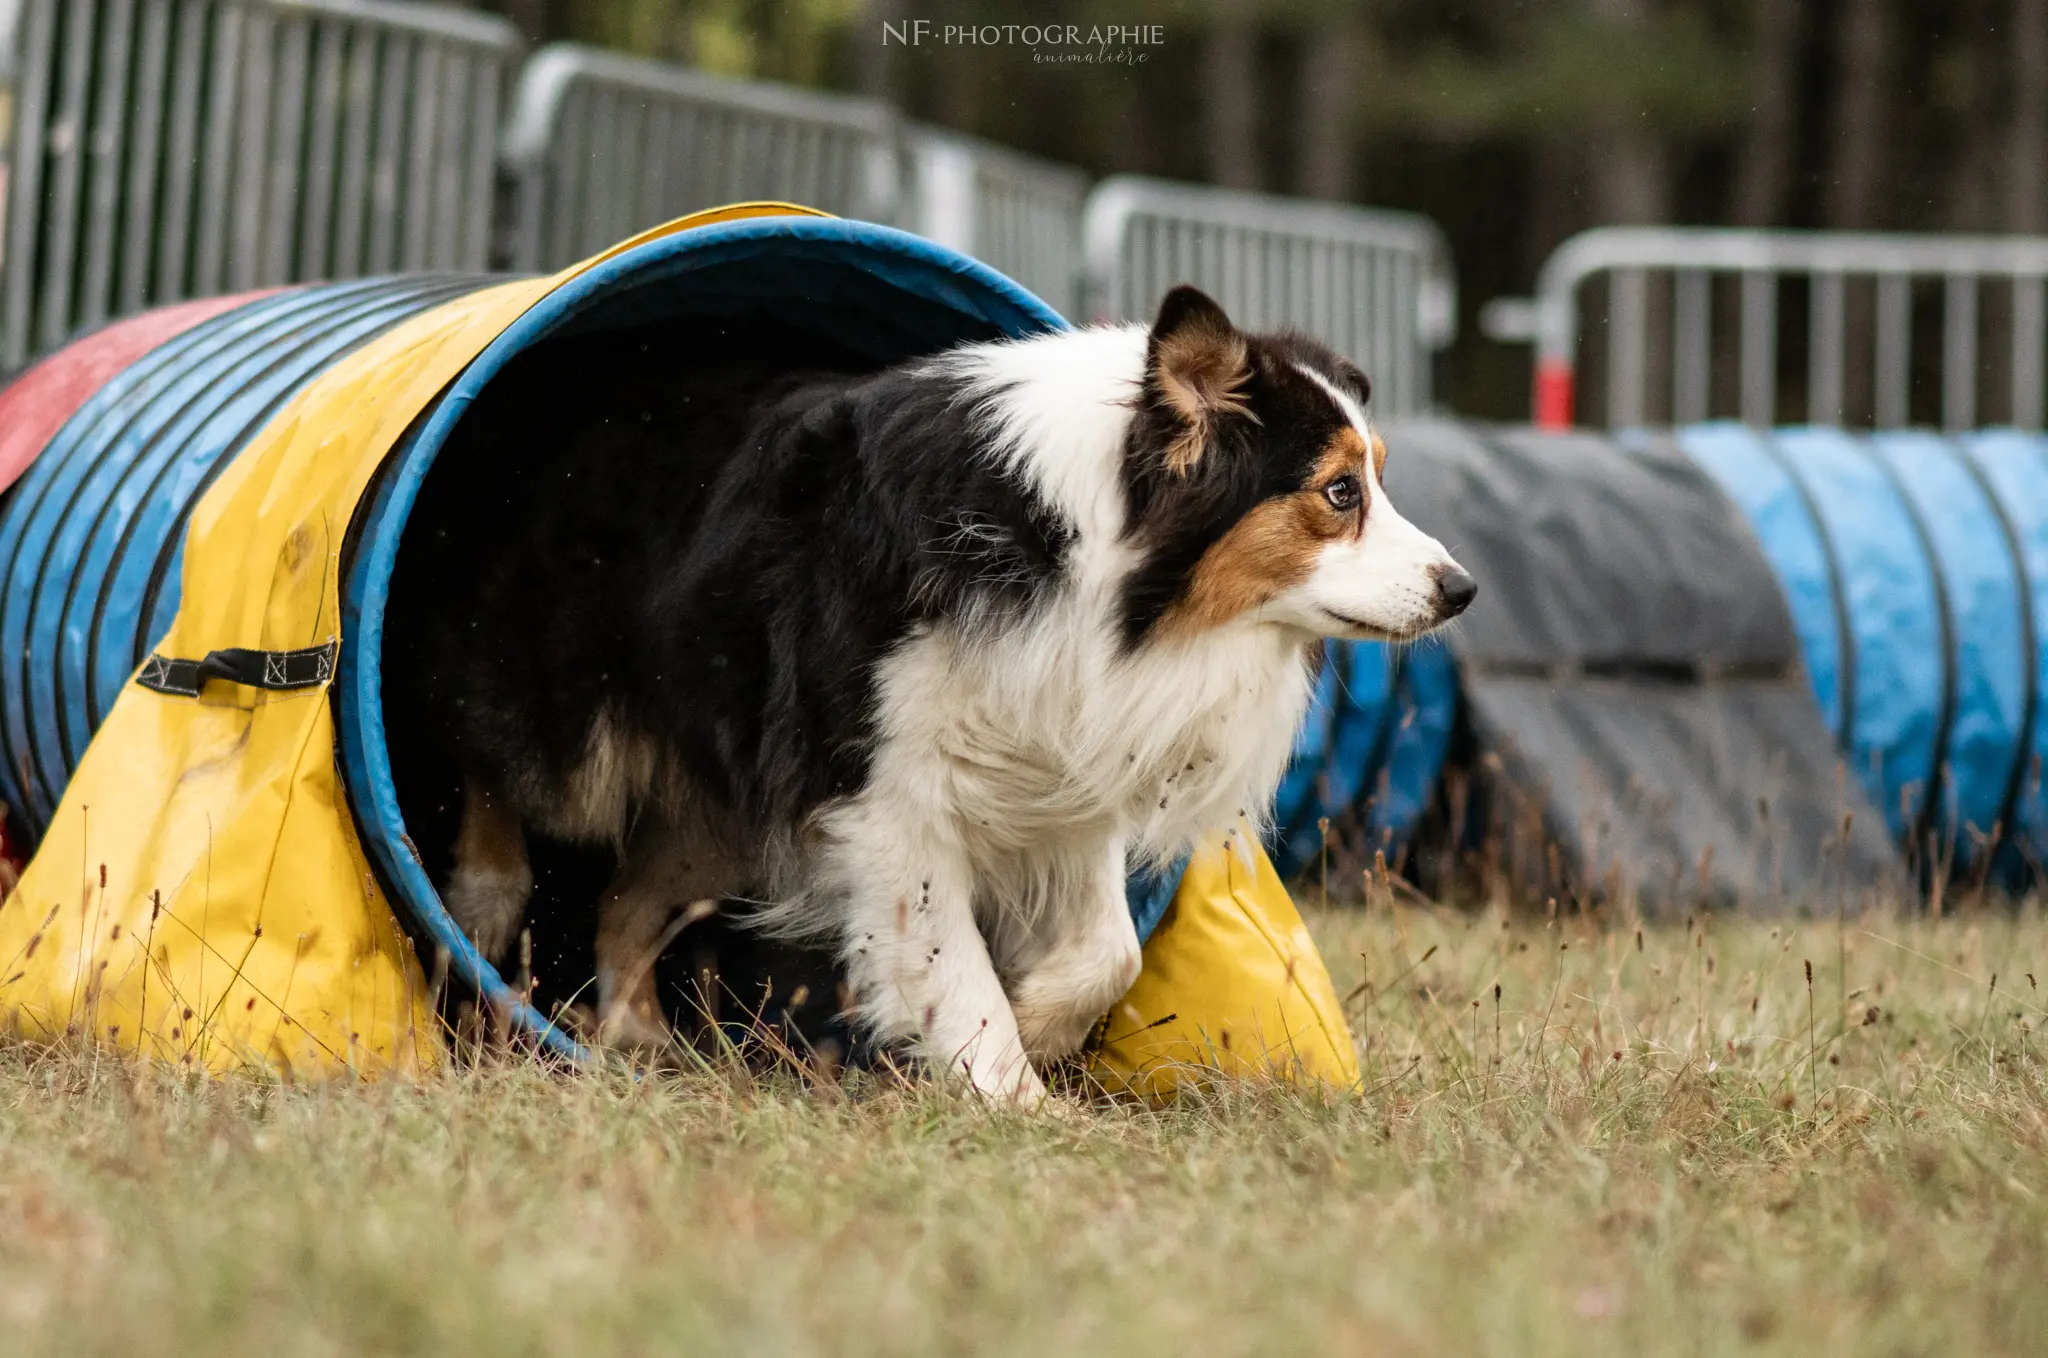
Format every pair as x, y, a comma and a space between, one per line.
1631, 663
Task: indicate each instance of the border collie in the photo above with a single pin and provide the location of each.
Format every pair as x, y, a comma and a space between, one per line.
922, 659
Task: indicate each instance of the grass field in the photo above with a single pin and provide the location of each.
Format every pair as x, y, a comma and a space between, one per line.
1664, 1142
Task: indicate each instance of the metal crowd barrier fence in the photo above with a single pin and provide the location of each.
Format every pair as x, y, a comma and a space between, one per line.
1374, 285
1015, 212
165, 149
1883, 268
602, 145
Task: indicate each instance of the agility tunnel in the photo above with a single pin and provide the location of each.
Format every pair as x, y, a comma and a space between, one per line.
198, 554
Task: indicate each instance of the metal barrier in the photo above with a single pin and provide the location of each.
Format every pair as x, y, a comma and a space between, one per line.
1015, 212
165, 149
600, 146
1374, 285
1829, 262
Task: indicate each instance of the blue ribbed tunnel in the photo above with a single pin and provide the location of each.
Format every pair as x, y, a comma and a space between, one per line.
92, 536
1915, 567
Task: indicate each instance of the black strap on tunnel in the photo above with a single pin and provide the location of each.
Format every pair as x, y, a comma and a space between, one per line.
409, 295
1937, 781
278, 671
2022, 755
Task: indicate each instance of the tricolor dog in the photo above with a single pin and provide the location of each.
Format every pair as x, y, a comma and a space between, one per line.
923, 659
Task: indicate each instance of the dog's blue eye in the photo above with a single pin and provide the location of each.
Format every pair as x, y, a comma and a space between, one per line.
1342, 494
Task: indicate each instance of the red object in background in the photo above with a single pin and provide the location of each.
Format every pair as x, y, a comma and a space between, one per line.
35, 405
1553, 394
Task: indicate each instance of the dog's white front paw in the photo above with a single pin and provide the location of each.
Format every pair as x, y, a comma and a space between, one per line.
1054, 1031
1058, 1006
1024, 1089
998, 1072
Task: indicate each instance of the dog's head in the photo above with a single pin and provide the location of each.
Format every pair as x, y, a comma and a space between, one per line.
1254, 483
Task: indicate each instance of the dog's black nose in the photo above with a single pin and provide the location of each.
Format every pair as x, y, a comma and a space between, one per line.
1455, 590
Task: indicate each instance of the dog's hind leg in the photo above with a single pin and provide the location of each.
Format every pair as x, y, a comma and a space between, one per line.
666, 872
1092, 958
488, 891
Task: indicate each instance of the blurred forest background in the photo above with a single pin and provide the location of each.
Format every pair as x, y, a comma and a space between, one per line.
1511, 123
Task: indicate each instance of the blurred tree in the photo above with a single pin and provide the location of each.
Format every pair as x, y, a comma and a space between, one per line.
1340, 69
1770, 133
874, 62
1857, 118
1621, 86
1967, 94
2026, 157
1231, 77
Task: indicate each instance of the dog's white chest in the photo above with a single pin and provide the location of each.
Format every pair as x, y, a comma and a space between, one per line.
1018, 744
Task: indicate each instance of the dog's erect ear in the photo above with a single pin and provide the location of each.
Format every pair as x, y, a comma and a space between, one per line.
1202, 365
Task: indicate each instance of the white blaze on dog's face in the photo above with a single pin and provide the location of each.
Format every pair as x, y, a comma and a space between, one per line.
1384, 578
1255, 483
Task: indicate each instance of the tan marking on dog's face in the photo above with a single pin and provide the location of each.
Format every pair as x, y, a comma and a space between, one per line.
1344, 455
1274, 547
1379, 457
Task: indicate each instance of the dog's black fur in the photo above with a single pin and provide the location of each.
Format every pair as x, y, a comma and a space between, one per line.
716, 538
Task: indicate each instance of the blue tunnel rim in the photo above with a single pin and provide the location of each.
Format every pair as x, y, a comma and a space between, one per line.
921, 268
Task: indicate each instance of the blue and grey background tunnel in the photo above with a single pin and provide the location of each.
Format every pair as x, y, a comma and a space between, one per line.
1912, 569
